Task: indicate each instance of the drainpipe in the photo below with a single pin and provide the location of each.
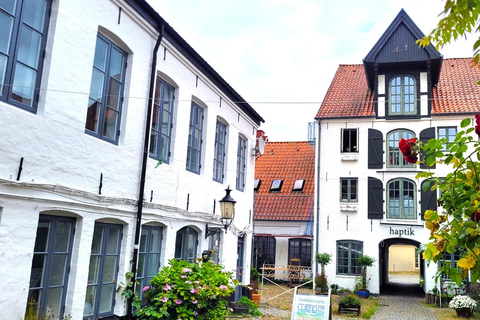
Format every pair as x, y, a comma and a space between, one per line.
143, 174
317, 223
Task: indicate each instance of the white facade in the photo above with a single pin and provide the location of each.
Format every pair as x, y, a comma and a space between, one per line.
62, 165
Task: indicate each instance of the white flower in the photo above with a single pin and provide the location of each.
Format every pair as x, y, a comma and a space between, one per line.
462, 302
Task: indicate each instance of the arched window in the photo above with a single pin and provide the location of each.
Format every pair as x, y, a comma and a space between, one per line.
401, 199
395, 157
186, 244
402, 96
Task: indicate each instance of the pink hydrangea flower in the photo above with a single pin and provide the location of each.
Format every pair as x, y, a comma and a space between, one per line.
145, 288
197, 282
164, 299
186, 270
189, 282
195, 313
178, 301
194, 291
183, 276
167, 287
222, 287
194, 301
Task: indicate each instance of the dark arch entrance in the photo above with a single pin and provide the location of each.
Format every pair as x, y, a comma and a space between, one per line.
394, 288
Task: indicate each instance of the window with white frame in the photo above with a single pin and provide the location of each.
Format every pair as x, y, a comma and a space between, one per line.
106, 91
241, 163
395, 156
219, 155
348, 189
348, 252
447, 133
349, 140
23, 34
162, 121
401, 199
194, 150
403, 95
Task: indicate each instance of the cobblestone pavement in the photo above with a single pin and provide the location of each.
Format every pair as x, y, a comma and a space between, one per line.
402, 308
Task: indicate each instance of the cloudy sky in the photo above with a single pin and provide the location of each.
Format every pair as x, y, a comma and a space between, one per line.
281, 55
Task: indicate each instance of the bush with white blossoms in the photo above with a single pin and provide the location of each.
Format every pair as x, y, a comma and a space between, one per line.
462, 302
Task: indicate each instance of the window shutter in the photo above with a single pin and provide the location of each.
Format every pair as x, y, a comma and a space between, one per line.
375, 198
428, 200
375, 149
341, 140
426, 135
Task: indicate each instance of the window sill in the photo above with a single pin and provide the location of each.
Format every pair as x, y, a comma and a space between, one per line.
400, 222
348, 208
349, 157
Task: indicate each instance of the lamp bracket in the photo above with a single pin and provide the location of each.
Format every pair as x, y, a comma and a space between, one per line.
210, 231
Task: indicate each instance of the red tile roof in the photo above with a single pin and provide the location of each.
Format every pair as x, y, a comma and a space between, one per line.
457, 92
287, 161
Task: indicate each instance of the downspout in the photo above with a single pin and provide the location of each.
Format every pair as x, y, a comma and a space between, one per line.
143, 173
317, 223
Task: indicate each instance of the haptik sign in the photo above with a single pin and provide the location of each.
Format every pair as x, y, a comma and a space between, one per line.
402, 232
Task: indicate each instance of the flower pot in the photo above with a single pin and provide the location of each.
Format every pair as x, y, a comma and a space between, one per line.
464, 313
364, 294
254, 285
256, 299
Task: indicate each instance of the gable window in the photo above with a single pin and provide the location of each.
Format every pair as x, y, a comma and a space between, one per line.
395, 157
401, 203
106, 91
161, 132
276, 185
219, 156
148, 256
300, 249
264, 249
186, 244
256, 184
22, 42
102, 273
298, 185
242, 149
402, 96
348, 189
447, 133
50, 264
348, 252
349, 140
194, 150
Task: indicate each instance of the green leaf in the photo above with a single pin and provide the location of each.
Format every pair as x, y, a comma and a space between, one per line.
426, 185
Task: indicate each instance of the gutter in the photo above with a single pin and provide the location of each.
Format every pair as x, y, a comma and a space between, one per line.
153, 74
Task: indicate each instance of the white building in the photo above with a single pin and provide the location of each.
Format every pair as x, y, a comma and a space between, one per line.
77, 81
367, 197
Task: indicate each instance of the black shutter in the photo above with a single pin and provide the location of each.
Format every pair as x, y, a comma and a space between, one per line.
428, 200
375, 198
426, 135
375, 149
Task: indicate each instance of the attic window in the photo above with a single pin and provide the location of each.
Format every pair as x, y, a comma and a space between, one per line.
256, 184
276, 185
298, 185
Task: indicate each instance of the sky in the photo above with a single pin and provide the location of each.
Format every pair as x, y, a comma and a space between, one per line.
281, 55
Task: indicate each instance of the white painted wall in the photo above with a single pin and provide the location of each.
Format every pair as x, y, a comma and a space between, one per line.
401, 258
62, 164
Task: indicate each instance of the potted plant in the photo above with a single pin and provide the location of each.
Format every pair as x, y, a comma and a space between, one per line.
463, 305
321, 280
254, 276
349, 304
364, 261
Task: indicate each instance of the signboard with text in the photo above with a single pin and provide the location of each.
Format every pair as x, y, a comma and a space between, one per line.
311, 307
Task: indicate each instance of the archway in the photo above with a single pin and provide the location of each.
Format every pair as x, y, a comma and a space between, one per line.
400, 267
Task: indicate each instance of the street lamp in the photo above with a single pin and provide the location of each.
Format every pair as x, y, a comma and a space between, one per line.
227, 209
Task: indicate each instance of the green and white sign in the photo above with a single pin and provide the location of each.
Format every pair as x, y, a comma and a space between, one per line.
311, 307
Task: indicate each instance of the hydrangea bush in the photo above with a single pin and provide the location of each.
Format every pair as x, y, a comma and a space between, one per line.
184, 290
462, 302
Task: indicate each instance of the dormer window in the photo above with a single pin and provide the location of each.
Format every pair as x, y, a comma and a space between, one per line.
402, 96
298, 185
256, 184
276, 185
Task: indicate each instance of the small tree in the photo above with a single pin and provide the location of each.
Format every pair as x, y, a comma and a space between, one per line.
321, 280
364, 261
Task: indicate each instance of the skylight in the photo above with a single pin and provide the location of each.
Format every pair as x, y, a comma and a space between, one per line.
276, 185
256, 184
298, 185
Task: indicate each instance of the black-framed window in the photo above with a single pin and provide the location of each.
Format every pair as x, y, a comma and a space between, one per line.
298, 185
50, 264
106, 91
348, 189
186, 244
194, 150
403, 93
23, 34
401, 199
448, 133
241, 163
148, 256
395, 156
102, 272
256, 184
276, 185
349, 140
300, 249
219, 155
162, 121
264, 250
348, 252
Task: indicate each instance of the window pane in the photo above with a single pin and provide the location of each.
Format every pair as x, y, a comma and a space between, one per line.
155, 240
3, 68
62, 235
109, 269
34, 300
92, 115
5, 32
116, 65
29, 47
54, 299
38, 267
113, 240
153, 142
166, 121
100, 58
94, 270
113, 94
153, 264
43, 234
141, 265
24, 84
155, 119
59, 267
8, 5
96, 88
90, 301
97, 240
110, 125
34, 13
106, 299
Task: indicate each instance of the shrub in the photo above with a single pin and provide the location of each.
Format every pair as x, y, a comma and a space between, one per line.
185, 290
254, 275
349, 300
252, 307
